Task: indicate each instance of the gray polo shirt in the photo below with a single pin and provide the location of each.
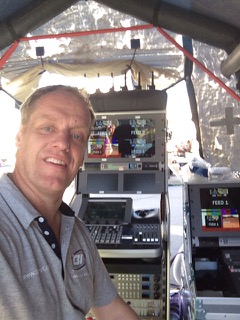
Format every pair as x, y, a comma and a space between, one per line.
32, 285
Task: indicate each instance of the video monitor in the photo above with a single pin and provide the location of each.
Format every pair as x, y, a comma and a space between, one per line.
215, 209
220, 208
122, 137
106, 210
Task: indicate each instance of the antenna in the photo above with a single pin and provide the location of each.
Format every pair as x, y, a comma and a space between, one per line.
152, 86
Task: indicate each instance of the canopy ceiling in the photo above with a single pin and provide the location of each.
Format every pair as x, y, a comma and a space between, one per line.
93, 38
214, 22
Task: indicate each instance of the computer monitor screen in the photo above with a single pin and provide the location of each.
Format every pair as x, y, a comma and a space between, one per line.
215, 209
106, 210
129, 138
220, 209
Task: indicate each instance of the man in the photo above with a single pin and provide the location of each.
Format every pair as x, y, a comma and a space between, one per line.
49, 266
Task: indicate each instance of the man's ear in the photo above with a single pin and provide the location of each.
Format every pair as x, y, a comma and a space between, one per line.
19, 137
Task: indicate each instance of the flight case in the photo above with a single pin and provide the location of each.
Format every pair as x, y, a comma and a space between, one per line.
211, 268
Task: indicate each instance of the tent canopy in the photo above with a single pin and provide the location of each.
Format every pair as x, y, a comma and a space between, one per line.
215, 23
150, 39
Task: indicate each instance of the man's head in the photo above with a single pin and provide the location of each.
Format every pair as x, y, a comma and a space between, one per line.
55, 126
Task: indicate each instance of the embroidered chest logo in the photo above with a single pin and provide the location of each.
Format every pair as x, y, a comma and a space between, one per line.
78, 260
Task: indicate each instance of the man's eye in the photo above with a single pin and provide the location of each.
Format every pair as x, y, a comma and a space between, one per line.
76, 136
79, 138
48, 129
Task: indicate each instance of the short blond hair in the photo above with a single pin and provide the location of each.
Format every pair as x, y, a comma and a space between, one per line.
28, 106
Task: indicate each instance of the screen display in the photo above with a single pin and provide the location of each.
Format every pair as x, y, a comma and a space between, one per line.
122, 138
220, 208
105, 211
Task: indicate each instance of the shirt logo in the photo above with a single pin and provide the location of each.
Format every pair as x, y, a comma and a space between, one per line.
78, 260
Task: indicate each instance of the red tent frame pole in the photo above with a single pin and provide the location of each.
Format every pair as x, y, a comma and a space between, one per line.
87, 33
8, 53
14, 46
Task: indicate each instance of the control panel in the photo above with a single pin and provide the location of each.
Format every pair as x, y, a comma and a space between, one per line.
137, 286
120, 232
125, 234
137, 240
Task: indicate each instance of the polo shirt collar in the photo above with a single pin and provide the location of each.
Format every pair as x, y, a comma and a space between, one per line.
21, 207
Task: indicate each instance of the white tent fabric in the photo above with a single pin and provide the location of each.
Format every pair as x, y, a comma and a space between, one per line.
23, 85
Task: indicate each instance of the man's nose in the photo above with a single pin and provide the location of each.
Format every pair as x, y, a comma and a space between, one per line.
63, 141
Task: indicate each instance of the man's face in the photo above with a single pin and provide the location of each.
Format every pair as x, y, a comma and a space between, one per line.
51, 145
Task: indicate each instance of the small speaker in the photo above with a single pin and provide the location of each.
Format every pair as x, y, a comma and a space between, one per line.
39, 51
135, 43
